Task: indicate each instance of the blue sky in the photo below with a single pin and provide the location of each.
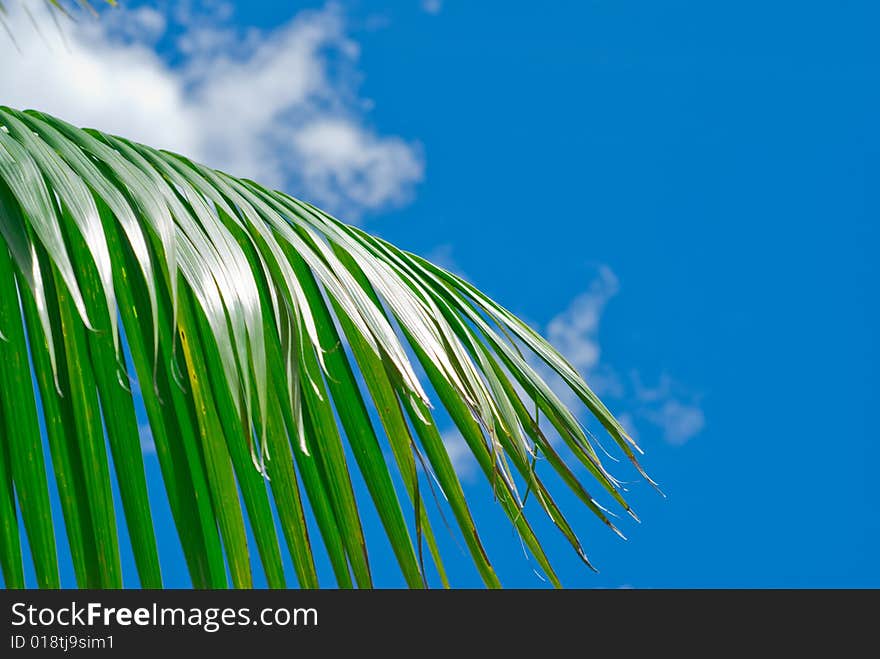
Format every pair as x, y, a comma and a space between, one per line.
681, 195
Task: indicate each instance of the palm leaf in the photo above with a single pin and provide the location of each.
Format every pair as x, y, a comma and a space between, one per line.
273, 347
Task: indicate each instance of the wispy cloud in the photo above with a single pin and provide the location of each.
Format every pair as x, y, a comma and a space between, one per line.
667, 407
575, 333
280, 106
460, 454
680, 422
143, 24
432, 6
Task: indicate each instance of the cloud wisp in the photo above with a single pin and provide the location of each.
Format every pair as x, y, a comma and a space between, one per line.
575, 332
676, 412
280, 106
667, 408
460, 455
432, 6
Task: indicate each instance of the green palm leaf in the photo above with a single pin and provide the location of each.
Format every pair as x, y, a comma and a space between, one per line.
272, 347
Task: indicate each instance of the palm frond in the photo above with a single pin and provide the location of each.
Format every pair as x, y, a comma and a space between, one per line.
270, 344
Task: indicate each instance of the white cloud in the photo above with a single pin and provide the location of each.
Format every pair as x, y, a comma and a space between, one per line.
460, 454
666, 409
574, 332
342, 161
432, 6
680, 422
664, 406
141, 24
647, 394
279, 106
